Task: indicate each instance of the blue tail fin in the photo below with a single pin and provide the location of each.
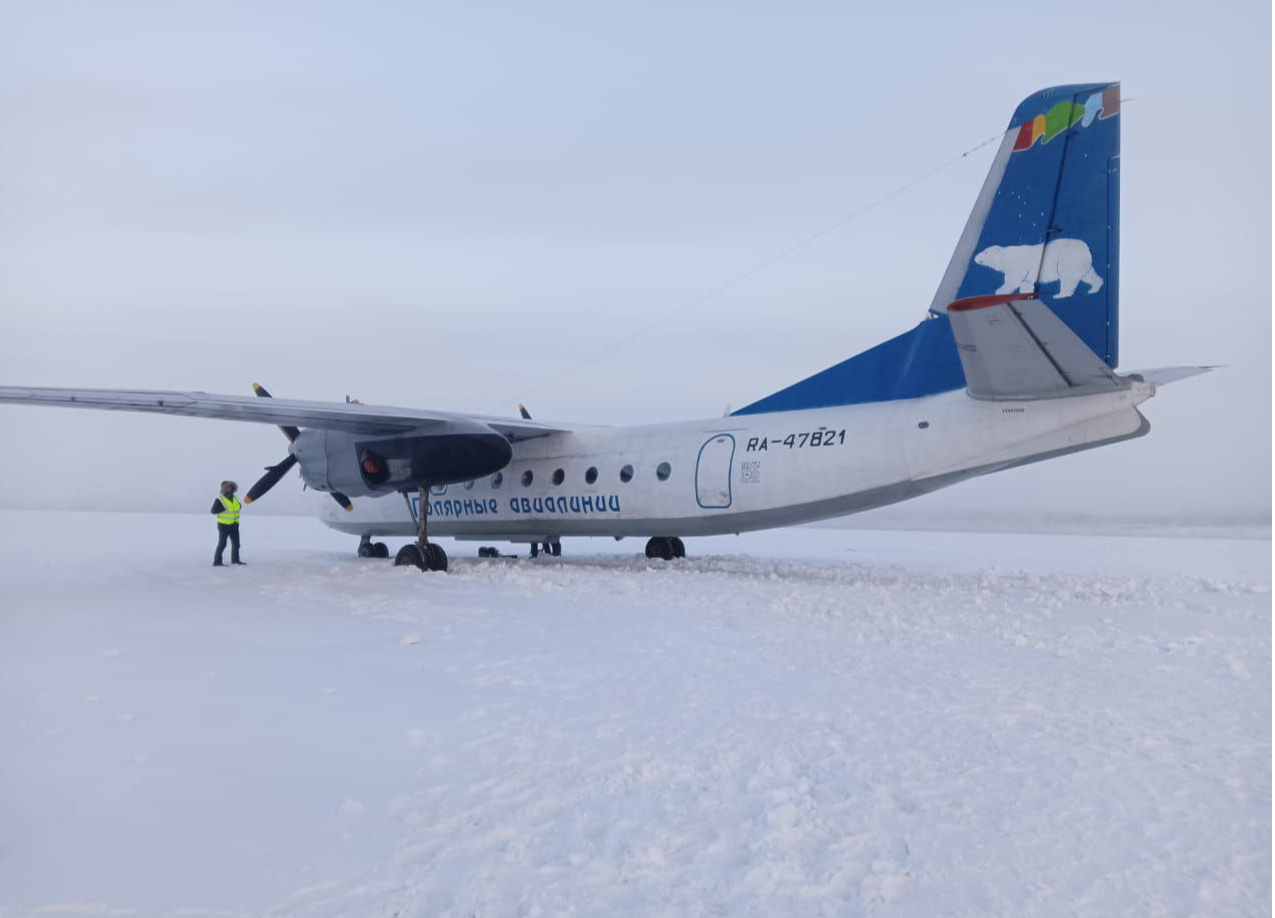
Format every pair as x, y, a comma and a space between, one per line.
1047, 220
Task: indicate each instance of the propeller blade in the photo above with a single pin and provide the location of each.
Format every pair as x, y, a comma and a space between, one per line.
343, 500
288, 431
270, 479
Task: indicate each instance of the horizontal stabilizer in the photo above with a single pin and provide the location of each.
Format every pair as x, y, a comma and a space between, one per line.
1162, 376
1013, 346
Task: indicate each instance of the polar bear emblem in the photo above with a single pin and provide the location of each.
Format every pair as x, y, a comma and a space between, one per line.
1067, 261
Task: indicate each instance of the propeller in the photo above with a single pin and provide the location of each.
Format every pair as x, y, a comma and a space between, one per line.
270, 479
288, 431
277, 471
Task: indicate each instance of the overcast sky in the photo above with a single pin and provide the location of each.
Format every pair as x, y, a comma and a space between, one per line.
446, 205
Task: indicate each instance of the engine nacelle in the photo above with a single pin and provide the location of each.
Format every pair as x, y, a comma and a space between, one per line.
359, 465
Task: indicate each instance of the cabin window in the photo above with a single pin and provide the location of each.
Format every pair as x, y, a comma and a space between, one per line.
663, 470
558, 476
923, 425
526, 478
497, 480
626, 473
591, 474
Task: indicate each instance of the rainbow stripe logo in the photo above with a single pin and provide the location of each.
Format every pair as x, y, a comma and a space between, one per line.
1101, 105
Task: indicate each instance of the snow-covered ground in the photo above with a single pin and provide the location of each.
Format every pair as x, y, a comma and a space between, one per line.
807, 722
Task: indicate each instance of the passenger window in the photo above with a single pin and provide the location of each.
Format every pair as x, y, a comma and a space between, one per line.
591, 475
497, 480
626, 473
558, 476
526, 478
663, 470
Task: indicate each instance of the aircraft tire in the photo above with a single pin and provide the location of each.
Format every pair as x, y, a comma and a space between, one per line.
661, 548
367, 550
435, 558
380, 550
410, 554
555, 549
679, 547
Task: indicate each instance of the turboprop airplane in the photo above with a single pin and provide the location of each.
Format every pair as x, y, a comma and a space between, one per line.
1014, 363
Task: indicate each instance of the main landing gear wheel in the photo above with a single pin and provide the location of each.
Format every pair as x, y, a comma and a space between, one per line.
421, 554
366, 550
410, 554
661, 548
380, 550
679, 547
555, 549
433, 558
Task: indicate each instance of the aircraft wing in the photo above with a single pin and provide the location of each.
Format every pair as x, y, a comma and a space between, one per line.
351, 417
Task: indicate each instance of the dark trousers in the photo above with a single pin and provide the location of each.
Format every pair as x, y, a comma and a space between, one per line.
224, 532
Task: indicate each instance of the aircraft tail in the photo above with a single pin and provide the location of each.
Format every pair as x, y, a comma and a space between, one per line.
1046, 222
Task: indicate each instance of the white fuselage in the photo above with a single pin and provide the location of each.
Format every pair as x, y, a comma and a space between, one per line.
745, 472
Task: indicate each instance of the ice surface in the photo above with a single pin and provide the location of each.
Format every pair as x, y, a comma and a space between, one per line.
805, 722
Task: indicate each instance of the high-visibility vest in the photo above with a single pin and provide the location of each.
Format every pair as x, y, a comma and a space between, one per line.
230, 513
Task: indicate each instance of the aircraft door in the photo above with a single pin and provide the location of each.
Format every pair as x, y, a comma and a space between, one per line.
712, 472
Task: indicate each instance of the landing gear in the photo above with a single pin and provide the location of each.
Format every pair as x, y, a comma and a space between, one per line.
370, 549
422, 553
552, 549
659, 547
430, 558
665, 548
488, 551
410, 554
435, 557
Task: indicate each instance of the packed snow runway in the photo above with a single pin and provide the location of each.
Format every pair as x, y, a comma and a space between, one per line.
807, 722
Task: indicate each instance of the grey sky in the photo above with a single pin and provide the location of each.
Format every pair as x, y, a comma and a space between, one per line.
444, 205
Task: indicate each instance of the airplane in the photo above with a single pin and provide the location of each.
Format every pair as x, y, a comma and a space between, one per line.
1014, 363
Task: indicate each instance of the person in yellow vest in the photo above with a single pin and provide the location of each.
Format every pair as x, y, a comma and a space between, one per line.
226, 506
